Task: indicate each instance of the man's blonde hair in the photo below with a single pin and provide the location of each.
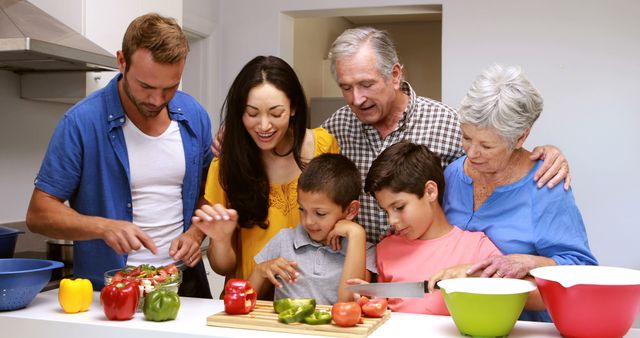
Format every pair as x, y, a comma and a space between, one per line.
162, 36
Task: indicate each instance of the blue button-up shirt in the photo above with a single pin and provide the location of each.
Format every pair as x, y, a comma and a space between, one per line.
87, 164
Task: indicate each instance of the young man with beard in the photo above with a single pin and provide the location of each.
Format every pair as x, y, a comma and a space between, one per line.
130, 160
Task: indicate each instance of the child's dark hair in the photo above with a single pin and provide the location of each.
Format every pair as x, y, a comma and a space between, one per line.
334, 175
405, 167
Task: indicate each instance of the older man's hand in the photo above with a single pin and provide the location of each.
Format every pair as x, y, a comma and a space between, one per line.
554, 169
216, 144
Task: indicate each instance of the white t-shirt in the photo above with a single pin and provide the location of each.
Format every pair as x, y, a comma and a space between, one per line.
157, 167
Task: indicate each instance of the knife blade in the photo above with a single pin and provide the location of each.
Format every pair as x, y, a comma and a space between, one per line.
392, 290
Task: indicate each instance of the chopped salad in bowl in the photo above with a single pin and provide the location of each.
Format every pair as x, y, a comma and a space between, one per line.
147, 277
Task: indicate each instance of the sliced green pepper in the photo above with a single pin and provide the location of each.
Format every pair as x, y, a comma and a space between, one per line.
296, 314
160, 305
284, 304
318, 318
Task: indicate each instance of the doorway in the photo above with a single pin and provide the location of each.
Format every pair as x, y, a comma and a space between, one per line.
415, 30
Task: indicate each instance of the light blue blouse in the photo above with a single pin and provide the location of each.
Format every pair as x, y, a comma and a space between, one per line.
520, 218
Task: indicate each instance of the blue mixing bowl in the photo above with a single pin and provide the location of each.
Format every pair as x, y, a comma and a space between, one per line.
8, 239
21, 279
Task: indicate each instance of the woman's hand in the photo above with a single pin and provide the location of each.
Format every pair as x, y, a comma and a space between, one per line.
554, 169
278, 267
216, 221
510, 266
458, 271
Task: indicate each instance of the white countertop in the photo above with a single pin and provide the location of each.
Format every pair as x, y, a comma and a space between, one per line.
44, 318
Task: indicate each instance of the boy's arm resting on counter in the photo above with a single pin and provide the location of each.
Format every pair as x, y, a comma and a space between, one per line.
355, 260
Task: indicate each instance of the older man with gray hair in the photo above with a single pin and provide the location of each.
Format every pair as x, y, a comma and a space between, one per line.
383, 109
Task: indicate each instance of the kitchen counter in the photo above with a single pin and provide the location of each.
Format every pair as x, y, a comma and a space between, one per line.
44, 317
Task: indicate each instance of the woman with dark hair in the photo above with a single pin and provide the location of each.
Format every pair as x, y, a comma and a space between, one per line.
251, 188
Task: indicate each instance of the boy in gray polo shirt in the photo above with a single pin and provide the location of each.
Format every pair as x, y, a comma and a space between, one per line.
315, 259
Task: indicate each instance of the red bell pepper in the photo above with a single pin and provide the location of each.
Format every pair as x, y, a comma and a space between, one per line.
120, 300
239, 297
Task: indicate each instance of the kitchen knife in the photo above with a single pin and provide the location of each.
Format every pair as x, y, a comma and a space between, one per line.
391, 290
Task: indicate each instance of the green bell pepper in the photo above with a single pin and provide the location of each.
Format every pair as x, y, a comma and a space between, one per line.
297, 314
318, 318
161, 305
284, 304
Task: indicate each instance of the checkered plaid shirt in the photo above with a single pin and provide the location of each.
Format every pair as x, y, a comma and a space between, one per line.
425, 121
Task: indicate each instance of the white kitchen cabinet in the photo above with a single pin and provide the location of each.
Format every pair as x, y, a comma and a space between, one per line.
104, 23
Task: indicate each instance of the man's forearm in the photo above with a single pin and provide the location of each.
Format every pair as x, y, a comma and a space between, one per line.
49, 216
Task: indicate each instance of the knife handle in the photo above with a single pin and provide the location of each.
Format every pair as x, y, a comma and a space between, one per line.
426, 286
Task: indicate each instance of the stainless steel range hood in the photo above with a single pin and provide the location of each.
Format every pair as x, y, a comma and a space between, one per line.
33, 41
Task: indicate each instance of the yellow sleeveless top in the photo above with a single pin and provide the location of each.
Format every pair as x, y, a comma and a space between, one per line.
283, 206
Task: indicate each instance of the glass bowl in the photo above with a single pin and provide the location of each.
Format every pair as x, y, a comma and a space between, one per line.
145, 282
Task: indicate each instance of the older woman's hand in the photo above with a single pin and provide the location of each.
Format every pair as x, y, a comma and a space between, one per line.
554, 169
511, 266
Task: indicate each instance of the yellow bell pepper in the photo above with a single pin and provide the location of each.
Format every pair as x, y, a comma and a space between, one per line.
75, 295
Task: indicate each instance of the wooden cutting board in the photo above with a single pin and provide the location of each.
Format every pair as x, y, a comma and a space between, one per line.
264, 318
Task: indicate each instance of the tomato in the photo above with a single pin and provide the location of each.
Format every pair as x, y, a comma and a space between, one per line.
118, 277
135, 272
161, 275
346, 314
375, 307
171, 269
363, 300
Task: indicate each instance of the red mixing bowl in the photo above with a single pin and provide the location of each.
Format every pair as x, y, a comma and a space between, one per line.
590, 301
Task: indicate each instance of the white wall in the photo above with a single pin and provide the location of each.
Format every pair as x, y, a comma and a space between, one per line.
422, 63
24, 134
200, 75
583, 56
312, 39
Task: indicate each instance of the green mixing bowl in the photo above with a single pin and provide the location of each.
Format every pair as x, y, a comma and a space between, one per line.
485, 307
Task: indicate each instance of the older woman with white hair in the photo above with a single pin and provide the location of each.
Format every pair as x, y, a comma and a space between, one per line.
491, 188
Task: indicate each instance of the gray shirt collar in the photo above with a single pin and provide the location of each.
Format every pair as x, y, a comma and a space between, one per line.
301, 238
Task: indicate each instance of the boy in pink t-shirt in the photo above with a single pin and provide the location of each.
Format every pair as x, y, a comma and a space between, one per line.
407, 181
